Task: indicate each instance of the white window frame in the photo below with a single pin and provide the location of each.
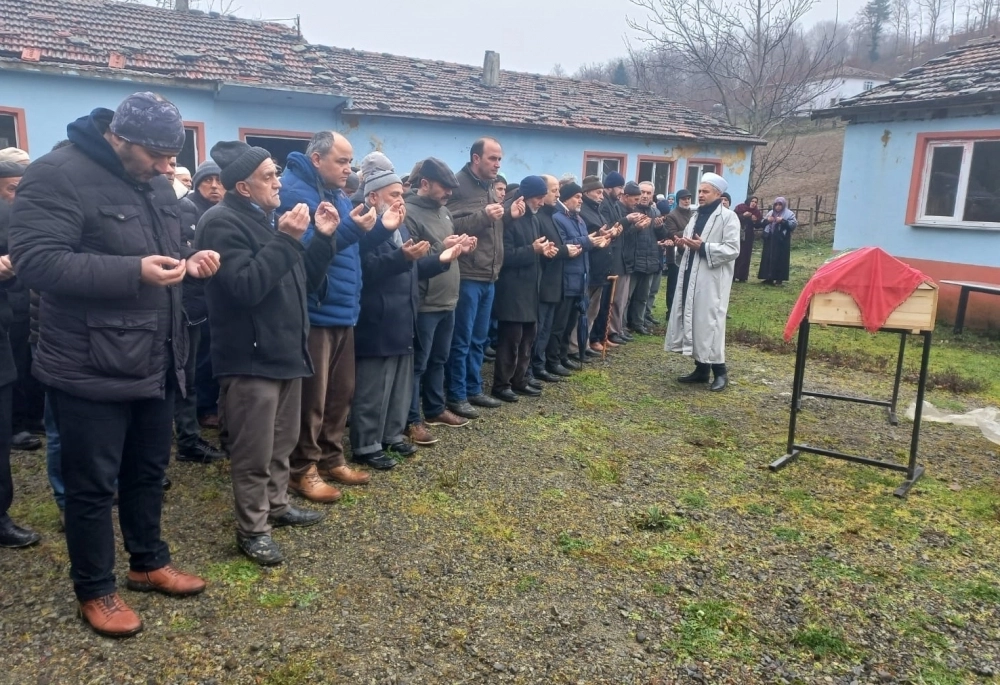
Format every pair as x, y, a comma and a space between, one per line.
655, 162
601, 159
869, 85
953, 221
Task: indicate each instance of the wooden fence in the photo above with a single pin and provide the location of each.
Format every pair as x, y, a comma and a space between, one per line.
817, 214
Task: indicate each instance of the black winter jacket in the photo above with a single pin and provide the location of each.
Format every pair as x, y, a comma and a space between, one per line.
613, 213
647, 252
193, 206
257, 301
80, 228
516, 296
8, 372
390, 297
551, 288
600, 258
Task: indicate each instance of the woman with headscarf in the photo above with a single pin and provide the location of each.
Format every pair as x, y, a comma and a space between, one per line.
750, 218
778, 226
727, 200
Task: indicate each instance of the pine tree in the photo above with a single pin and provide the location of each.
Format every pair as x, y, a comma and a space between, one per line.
875, 14
620, 77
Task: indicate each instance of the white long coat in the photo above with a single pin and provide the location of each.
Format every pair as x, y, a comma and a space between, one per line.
697, 325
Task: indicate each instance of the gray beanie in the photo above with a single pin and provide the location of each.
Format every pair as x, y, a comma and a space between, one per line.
378, 172
204, 170
237, 161
151, 121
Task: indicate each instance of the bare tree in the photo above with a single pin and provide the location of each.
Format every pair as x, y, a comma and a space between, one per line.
557, 70
761, 70
932, 11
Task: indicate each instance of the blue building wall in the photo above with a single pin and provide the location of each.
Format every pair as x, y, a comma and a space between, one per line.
51, 102
875, 187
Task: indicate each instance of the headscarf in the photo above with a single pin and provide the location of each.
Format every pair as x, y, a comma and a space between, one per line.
786, 213
755, 212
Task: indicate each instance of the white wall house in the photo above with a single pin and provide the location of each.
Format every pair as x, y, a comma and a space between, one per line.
850, 81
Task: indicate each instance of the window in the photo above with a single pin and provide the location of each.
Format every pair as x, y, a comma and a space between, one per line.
601, 164
957, 181
279, 143
695, 169
193, 152
869, 85
13, 132
659, 172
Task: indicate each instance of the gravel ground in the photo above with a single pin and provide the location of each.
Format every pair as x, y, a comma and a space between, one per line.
621, 529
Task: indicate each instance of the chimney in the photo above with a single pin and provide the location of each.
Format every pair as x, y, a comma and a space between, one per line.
182, 5
491, 69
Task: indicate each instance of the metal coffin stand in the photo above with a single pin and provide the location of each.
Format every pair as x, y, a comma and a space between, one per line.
846, 318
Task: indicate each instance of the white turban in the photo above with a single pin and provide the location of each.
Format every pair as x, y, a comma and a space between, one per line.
715, 180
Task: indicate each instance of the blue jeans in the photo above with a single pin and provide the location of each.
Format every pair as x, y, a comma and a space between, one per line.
472, 326
433, 338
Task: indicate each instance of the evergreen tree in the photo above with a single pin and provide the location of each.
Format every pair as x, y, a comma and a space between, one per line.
620, 76
874, 15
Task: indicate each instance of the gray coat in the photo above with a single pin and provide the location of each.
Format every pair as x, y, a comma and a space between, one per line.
427, 220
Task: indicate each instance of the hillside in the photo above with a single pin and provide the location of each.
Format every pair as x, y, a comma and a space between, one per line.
815, 171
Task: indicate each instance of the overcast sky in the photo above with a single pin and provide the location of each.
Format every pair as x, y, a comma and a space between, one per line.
530, 35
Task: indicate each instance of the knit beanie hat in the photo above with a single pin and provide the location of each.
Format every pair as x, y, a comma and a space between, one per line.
614, 180
683, 193
533, 186
569, 190
592, 183
632, 188
378, 172
353, 183
204, 170
149, 120
13, 162
237, 161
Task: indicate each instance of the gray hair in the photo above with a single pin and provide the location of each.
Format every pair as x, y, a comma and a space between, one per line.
321, 143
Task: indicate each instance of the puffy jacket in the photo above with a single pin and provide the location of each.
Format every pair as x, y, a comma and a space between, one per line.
428, 220
647, 252
257, 299
80, 228
193, 206
341, 304
467, 207
573, 231
600, 258
8, 372
613, 212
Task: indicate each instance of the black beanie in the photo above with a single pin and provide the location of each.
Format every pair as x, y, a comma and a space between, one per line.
569, 190
237, 160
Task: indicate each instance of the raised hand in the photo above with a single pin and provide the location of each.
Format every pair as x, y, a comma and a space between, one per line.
295, 221
450, 254
539, 245
517, 208
394, 216
453, 240
469, 244
204, 264
364, 218
574, 250
493, 211
162, 271
551, 250
6, 268
414, 251
327, 219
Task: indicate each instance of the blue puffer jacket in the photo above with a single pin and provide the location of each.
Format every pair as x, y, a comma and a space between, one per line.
342, 303
573, 231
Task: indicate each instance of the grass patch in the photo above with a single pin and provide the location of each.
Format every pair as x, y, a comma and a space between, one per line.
526, 584
704, 626
654, 518
571, 544
827, 568
787, 534
822, 642
981, 591
236, 573
694, 499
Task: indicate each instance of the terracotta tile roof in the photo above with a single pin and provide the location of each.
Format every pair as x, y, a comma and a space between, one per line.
968, 75
195, 47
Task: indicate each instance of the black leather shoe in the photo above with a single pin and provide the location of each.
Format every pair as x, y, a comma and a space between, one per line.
296, 517
627, 337
484, 401
528, 391
653, 322
720, 383
572, 364
594, 354
695, 377
560, 370
376, 460
463, 409
505, 395
13, 536
586, 359
617, 339
25, 441
403, 449
536, 384
489, 354
202, 452
260, 549
544, 375
166, 483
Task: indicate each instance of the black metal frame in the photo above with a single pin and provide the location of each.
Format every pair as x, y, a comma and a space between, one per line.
912, 470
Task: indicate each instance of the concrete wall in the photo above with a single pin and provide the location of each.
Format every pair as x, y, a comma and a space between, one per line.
871, 211
51, 102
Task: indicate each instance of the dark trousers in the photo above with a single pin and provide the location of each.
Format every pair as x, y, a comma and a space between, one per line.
600, 326
546, 315
103, 442
186, 408
636, 314
6, 482
514, 349
563, 326
654, 288
433, 343
207, 387
29, 394
672, 272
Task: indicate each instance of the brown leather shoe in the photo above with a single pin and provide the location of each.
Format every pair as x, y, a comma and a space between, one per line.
419, 435
110, 616
167, 580
346, 475
446, 418
314, 488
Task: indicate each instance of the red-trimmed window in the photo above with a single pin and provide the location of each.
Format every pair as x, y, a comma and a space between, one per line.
279, 143
696, 168
601, 164
656, 170
193, 152
955, 181
13, 128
